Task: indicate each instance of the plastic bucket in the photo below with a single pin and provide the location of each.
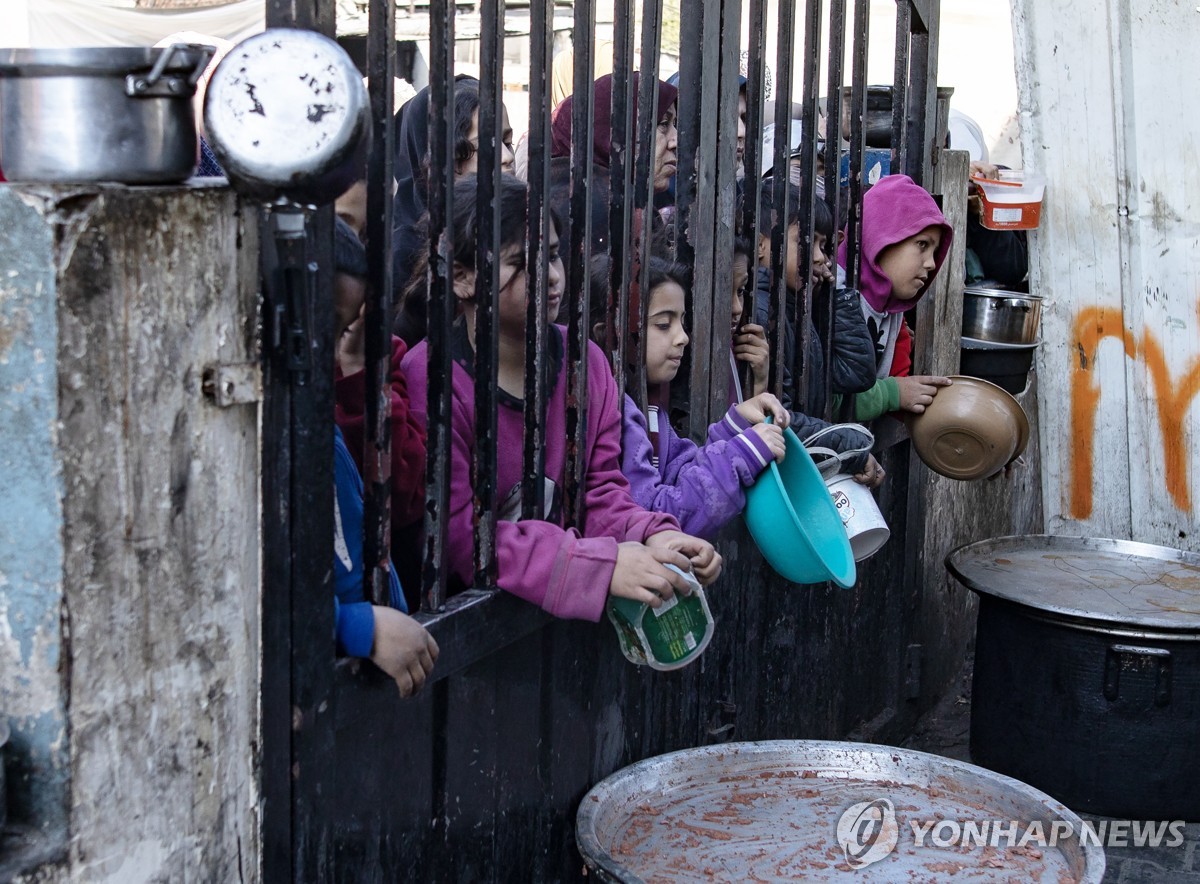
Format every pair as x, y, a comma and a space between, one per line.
865, 525
1012, 202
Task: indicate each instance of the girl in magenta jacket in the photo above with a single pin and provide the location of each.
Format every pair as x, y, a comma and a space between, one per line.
620, 549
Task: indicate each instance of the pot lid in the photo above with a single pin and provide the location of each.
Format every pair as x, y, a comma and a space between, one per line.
101, 61
1000, 293
1115, 582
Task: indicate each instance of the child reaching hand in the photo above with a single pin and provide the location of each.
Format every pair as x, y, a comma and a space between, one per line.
620, 548
905, 240
701, 486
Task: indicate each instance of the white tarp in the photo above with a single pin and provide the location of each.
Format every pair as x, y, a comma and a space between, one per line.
72, 23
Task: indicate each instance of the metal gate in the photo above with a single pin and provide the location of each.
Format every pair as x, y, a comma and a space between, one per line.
479, 778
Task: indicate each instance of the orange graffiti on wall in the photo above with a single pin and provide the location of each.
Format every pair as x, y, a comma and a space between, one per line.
1092, 325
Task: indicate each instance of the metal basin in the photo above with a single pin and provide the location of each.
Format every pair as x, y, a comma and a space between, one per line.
787, 810
1001, 316
120, 114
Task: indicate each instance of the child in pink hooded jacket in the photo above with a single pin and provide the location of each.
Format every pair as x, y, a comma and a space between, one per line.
905, 240
620, 548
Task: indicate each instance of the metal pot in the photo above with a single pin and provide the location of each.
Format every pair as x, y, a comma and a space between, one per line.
1087, 671
1000, 316
288, 117
94, 115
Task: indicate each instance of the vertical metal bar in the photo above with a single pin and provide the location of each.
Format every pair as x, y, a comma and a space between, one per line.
808, 194
441, 302
780, 190
922, 89
581, 253
749, 225
900, 93
833, 162
719, 265
858, 100
644, 155
487, 288
297, 489
688, 212
377, 454
541, 36
621, 189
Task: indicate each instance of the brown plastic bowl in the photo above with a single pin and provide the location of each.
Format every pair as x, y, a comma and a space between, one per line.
972, 429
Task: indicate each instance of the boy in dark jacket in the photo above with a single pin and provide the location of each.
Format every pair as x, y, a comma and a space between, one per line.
853, 356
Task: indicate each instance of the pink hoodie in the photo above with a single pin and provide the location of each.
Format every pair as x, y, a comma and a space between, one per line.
893, 210
560, 570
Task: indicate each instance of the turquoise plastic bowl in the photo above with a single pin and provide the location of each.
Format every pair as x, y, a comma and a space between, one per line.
792, 519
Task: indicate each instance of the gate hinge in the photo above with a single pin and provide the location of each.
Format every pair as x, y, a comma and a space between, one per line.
238, 383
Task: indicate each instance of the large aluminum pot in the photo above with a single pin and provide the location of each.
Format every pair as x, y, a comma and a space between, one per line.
1001, 317
120, 114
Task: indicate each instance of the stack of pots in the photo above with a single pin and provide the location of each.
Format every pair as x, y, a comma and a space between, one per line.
999, 335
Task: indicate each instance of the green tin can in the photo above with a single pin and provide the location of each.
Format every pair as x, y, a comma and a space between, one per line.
667, 637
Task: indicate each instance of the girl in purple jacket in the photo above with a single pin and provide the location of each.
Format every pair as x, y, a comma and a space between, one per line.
702, 486
620, 548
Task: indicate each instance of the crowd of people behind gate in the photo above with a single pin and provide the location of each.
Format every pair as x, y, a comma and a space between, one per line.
653, 498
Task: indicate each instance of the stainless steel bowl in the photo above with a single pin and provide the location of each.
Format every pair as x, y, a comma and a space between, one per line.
120, 114
1001, 317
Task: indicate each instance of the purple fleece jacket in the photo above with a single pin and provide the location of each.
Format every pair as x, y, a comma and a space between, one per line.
701, 486
564, 572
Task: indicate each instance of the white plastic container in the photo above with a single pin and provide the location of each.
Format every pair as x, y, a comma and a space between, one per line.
1013, 202
864, 523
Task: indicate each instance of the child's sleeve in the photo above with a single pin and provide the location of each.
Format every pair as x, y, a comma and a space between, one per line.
882, 398
701, 486
853, 358
408, 435
609, 509
355, 628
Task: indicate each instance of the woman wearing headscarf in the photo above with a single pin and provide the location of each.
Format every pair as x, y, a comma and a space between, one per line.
663, 162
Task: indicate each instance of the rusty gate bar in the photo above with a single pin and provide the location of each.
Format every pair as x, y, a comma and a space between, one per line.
487, 290
718, 268
779, 189
687, 175
748, 224
533, 489
808, 195
441, 302
297, 520
581, 254
922, 87
857, 113
833, 177
377, 329
643, 195
900, 90
620, 214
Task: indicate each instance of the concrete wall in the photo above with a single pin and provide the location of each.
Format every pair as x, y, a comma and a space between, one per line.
129, 604
1107, 113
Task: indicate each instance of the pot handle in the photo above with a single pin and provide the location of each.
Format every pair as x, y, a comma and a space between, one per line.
138, 87
1128, 658
1015, 304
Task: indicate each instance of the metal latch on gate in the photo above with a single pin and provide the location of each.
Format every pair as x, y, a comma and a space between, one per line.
238, 383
